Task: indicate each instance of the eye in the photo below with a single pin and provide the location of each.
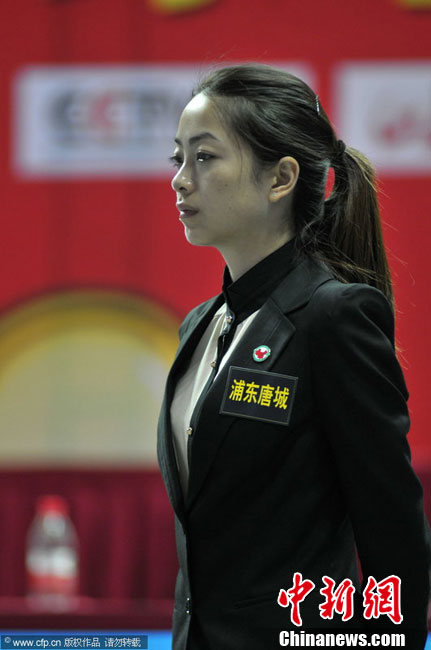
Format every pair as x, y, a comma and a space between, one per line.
176, 161
201, 156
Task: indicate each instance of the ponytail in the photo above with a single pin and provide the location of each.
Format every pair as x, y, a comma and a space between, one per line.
350, 239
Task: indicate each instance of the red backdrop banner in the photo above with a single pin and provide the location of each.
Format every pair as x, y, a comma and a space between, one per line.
124, 233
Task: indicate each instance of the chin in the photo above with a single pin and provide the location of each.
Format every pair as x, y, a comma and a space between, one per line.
196, 239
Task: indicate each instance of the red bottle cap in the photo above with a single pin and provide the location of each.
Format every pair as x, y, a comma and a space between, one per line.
52, 503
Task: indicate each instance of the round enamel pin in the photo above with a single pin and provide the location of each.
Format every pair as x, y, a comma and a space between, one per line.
261, 353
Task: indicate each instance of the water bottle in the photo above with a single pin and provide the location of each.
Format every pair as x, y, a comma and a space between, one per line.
52, 559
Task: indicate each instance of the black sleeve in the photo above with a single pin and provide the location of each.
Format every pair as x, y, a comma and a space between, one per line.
361, 397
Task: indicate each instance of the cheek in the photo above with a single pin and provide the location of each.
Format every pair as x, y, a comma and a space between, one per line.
233, 184
223, 176
222, 183
225, 190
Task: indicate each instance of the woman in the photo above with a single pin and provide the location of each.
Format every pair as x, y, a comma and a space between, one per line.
282, 437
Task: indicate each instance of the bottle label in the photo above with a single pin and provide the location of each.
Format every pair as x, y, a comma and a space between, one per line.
52, 571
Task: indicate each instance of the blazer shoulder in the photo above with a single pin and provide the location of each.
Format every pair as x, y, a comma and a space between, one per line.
333, 293
335, 304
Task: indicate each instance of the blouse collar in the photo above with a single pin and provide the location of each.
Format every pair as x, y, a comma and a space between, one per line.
251, 290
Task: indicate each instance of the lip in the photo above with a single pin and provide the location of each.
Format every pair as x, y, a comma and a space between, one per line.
186, 210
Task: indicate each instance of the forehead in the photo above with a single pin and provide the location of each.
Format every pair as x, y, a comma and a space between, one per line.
200, 117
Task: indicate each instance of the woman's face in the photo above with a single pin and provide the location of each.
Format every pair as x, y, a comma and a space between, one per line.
221, 203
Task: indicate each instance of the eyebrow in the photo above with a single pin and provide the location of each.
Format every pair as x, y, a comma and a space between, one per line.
197, 138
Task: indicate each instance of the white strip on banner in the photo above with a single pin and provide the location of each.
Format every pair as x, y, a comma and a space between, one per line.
384, 110
84, 121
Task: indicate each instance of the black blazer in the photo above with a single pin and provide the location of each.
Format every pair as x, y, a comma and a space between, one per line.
267, 499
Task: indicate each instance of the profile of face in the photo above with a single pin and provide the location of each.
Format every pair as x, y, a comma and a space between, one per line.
221, 202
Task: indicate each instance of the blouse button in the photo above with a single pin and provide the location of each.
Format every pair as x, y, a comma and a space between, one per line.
229, 320
213, 364
189, 431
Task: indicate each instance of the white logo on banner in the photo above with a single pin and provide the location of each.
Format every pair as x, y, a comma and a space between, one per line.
102, 120
385, 112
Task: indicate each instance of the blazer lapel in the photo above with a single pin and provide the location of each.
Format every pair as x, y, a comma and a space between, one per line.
199, 321
270, 327
165, 447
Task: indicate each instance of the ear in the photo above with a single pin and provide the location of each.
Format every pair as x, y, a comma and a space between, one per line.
285, 176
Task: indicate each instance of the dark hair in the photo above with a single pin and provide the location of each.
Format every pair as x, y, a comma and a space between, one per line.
277, 114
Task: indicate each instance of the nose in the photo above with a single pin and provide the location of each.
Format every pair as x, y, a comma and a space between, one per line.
182, 182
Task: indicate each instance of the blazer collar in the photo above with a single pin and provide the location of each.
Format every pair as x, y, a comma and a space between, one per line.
300, 284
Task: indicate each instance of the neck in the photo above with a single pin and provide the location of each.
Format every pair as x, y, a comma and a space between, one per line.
246, 254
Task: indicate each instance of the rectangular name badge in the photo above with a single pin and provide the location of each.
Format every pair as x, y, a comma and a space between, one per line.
259, 395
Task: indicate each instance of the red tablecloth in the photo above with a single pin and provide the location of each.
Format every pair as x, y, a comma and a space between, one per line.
90, 614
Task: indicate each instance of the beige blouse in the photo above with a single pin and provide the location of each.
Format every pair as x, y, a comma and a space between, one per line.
192, 382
